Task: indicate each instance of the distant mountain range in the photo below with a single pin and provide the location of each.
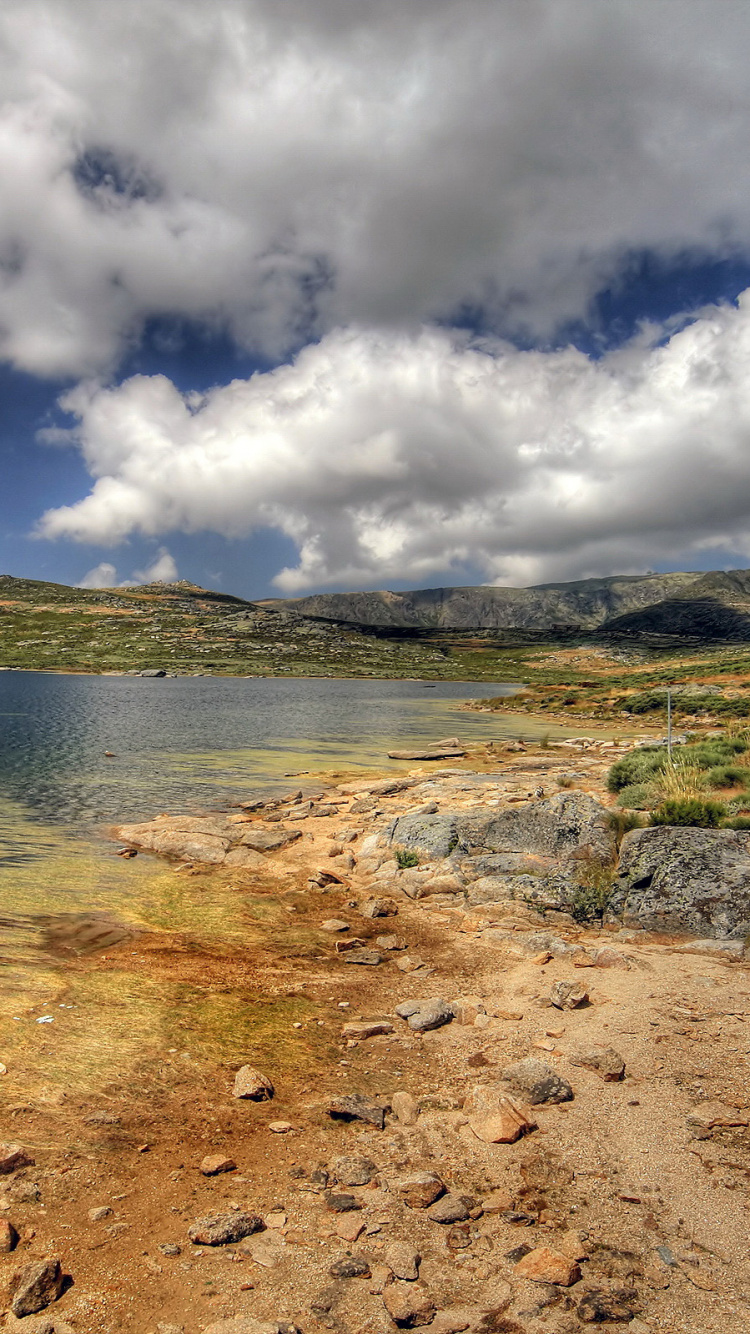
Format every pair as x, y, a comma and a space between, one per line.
688, 605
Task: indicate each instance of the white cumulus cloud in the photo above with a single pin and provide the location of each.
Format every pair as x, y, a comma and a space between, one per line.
163, 569
279, 168
394, 456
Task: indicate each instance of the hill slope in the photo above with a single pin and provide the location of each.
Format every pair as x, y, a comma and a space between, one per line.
583, 605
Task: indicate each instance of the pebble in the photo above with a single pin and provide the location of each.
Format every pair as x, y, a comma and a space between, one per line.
421, 1016
358, 1107
353, 1171
101, 1211
496, 1119
421, 1190
350, 1266
600, 1304
280, 1127
568, 995
339, 1202
379, 908
370, 958
250, 1083
334, 924
8, 1237
13, 1156
543, 1265
449, 1209
215, 1163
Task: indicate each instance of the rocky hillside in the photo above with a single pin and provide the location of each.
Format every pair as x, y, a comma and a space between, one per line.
587, 604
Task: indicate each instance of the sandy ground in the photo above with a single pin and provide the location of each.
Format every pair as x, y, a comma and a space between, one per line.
656, 1211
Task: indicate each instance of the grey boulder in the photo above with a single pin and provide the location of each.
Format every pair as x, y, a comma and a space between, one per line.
696, 881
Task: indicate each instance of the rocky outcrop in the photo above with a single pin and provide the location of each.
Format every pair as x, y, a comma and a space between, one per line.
207, 839
695, 881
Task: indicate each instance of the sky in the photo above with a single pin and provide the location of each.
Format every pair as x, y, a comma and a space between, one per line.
310, 295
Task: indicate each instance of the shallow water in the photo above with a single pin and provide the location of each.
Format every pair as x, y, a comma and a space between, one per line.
187, 743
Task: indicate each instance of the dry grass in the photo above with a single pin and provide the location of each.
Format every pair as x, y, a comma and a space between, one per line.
680, 779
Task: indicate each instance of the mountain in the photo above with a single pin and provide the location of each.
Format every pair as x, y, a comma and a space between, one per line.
714, 606
585, 605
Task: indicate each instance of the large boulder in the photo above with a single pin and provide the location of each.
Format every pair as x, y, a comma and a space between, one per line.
189, 838
567, 825
677, 879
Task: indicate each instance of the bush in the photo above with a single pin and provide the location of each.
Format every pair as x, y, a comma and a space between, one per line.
638, 766
739, 822
591, 897
621, 823
407, 857
637, 796
689, 811
728, 775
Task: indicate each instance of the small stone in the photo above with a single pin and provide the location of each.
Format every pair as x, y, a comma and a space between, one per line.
25, 1192
537, 1081
420, 1191
572, 1244
361, 1029
221, 1229
358, 1107
403, 1261
349, 1227
379, 908
616, 1304
8, 1237
543, 1265
339, 1202
379, 1279
408, 1304
266, 1249
466, 1009
708, 1116
449, 1209
605, 1060
215, 1163
170, 1248
250, 1083
368, 958
405, 1108
276, 1218
101, 1211
36, 1286
609, 958
354, 1171
568, 995
280, 1127
425, 1015
334, 924
350, 1266
496, 1119
13, 1156
390, 942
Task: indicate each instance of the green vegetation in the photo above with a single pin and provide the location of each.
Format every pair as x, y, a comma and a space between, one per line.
406, 857
593, 892
690, 811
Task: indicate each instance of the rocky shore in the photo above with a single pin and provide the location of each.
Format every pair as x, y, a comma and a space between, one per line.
527, 1109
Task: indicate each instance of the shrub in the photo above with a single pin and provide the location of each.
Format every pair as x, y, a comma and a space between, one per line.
621, 823
638, 766
689, 811
564, 780
680, 778
407, 857
637, 796
738, 822
728, 775
591, 897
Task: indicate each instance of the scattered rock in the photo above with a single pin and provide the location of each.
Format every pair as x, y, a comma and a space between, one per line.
568, 995
358, 1107
616, 1304
408, 1304
99, 1213
339, 1202
497, 1119
334, 924
379, 908
265, 1248
215, 1163
422, 1016
367, 957
403, 1261
609, 958
280, 1127
390, 942
466, 1009
8, 1237
608, 1062
543, 1265
350, 1266
449, 1209
354, 1171
36, 1286
250, 1083
13, 1156
221, 1229
537, 1081
708, 1116
420, 1191
405, 1108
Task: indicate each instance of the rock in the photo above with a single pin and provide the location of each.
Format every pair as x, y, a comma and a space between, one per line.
170, 1249
350, 1266
221, 1229
708, 1116
673, 878
379, 908
537, 1081
616, 1304
609, 958
8, 1237
349, 1227
266, 840
390, 943
188, 838
420, 1191
360, 1029
42, 1324
98, 1214
543, 1265
265, 1248
440, 753
568, 995
405, 1108
572, 1244
458, 1318
496, 1119
403, 1261
245, 1324
351, 943
13, 1156
422, 1016
215, 1163
608, 1062
36, 1286
433, 835
449, 1209
408, 1304
250, 1083
466, 1008
339, 1202
354, 1171
358, 1107
369, 958
152, 672
334, 924
280, 1127
24, 1192
497, 1202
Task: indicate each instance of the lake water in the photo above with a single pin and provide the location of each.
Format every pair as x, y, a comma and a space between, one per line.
178, 744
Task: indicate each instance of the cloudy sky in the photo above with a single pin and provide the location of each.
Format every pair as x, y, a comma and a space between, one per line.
319, 294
